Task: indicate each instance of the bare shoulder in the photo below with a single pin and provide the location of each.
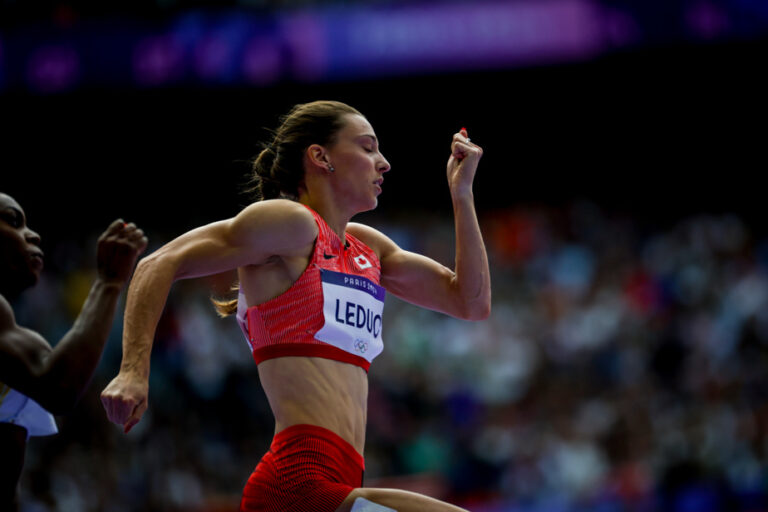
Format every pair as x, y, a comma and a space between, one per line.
15, 339
22, 353
276, 220
282, 213
373, 238
278, 207
364, 232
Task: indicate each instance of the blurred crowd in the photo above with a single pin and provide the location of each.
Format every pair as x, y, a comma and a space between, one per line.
623, 369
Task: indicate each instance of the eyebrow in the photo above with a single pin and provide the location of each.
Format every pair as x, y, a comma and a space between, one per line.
372, 137
14, 210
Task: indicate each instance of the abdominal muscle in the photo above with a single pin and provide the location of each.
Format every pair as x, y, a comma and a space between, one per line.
315, 391
307, 390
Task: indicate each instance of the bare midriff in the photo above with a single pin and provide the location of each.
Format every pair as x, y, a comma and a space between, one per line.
316, 391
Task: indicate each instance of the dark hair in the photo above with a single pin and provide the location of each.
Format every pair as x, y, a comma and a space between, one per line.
278, 171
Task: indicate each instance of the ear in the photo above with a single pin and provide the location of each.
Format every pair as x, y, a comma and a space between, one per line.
317, 155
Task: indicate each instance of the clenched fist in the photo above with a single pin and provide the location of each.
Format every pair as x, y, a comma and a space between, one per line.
118, 248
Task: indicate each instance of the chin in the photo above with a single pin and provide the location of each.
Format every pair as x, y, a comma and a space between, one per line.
367, 206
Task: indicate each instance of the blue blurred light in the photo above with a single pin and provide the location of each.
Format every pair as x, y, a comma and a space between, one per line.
237, 46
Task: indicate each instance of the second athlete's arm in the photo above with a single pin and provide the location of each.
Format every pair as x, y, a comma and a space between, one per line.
57, 377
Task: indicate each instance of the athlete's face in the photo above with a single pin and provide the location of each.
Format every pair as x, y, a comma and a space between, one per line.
21, 259
359, 165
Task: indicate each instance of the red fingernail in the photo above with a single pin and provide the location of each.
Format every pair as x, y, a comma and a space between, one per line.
463, 129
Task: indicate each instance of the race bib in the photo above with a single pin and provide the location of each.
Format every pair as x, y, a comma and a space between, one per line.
352, 307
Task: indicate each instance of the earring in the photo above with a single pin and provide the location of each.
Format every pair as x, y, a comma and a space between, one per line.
330, 168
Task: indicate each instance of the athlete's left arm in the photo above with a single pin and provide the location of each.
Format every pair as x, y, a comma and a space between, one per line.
464, 292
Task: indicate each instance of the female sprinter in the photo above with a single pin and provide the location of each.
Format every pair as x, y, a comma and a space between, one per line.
35, 379
310, 303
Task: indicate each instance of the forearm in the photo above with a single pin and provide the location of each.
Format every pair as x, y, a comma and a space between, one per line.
146, 299
472, 276
68, 368
125, 398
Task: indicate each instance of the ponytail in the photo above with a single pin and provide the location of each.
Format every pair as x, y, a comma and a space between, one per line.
264, 185
225, 308
278, 170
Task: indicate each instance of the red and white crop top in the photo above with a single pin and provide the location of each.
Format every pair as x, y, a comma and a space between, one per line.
333, 310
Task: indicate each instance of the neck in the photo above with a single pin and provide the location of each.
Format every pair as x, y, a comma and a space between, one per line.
335, 217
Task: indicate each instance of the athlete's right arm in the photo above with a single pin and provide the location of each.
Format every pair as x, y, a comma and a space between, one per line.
262, 230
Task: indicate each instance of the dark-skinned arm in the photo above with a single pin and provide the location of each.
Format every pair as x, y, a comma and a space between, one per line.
57, 377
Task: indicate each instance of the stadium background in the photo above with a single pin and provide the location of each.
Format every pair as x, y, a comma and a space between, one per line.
623, 368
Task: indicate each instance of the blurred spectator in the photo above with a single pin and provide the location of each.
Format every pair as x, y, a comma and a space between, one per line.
621, 370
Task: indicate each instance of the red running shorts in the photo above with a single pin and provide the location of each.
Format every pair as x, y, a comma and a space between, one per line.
307, 469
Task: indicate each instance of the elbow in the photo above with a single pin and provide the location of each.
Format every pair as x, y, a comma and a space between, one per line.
146, 263
475, 306
476, 310
486, 311
162, 261
143, 267
480, 313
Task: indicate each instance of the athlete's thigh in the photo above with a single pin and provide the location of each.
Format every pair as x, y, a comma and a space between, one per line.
399, 500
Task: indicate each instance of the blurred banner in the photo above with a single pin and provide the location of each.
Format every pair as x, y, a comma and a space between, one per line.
210, 47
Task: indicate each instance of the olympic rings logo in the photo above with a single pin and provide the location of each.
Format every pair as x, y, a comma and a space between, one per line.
361, 345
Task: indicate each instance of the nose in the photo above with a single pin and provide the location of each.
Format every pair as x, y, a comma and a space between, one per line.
383, 165
32, 237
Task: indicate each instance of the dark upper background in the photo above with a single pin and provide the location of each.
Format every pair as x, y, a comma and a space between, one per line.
666, 126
